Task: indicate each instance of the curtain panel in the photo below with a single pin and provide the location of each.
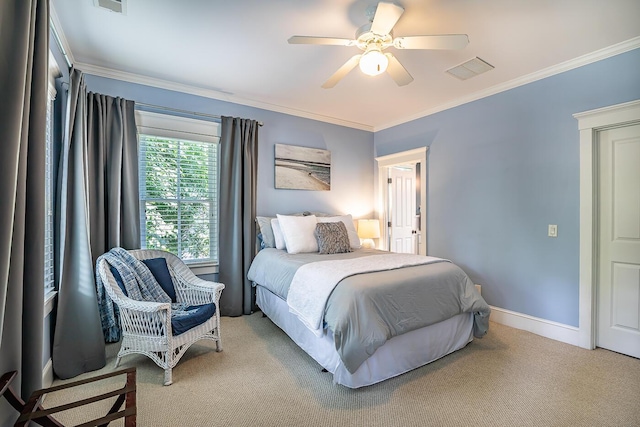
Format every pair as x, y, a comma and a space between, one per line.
78, 346
112, 148
97, 210
24, 47
237, 236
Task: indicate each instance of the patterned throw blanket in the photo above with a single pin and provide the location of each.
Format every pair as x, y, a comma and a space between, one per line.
140, 284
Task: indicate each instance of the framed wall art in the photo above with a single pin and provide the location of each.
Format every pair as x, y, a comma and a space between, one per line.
302, 168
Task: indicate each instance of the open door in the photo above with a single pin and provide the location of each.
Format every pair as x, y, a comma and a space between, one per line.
402, 183
402, 195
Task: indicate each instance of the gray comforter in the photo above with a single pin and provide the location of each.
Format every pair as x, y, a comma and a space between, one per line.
366, 310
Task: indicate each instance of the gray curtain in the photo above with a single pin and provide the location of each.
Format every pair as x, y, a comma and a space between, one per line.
97, 210
24, 49
238, 178
112, 146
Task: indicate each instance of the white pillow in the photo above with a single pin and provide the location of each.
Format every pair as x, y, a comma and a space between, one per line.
277, 235
354, 240
298, 232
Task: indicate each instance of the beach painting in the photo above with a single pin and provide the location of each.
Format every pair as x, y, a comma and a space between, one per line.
302, 168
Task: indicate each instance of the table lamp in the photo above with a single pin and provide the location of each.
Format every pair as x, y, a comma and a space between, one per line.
368, 229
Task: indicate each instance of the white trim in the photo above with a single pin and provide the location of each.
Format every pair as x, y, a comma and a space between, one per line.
49, 302
614, 115
586, 261
193, 90
200, 269
590, 123
54, 73
417, 155
546, 328
580, 61
47, 374
170, 126
214, 94
404, 157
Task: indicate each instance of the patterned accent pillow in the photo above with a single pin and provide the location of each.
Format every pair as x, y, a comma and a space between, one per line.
332, 238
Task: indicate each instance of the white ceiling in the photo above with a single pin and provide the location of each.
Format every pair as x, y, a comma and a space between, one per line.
237, 50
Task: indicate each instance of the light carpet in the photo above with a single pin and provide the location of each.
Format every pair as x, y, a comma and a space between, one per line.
508, 378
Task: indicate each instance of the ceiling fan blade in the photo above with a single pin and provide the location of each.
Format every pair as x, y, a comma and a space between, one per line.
449, 41
342, 71
321, 40
397, 72
387, 14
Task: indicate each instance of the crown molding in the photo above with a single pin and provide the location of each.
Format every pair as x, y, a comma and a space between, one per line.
207, 93
213, 94
580, 61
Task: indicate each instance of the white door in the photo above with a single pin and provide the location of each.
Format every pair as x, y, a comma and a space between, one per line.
403, 209
619, 241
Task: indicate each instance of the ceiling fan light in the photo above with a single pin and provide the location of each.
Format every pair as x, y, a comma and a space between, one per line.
373, 62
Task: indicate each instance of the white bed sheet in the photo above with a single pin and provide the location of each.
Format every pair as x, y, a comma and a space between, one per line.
398, 355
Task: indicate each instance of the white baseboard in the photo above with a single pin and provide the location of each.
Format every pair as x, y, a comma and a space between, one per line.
47, 374
546, 328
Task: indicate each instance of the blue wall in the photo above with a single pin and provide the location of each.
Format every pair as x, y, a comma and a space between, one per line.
500, 170
352, 164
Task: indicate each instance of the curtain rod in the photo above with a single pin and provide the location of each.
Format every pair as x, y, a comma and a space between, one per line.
56, 37
176, 110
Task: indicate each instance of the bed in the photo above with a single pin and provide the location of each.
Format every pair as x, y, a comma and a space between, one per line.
364, 315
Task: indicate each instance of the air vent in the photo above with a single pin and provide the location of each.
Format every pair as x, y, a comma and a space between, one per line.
117, 6
471, 68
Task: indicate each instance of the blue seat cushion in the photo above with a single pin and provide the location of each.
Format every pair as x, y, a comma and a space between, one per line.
159, 269
190, 317
119, 280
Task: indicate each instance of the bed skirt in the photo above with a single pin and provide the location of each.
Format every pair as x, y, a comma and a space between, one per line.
398, 355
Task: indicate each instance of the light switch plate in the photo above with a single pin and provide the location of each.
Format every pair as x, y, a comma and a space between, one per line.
553, 230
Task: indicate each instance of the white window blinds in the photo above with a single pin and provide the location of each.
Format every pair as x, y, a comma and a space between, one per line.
49, 278
179, 196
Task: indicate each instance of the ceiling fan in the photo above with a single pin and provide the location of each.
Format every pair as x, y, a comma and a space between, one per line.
375, 37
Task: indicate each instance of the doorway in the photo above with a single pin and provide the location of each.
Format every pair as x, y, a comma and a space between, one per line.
402, 183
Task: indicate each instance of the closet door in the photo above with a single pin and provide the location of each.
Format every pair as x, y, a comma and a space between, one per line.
618, 292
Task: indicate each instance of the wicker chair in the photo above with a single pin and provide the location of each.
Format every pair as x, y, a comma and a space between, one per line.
146, 326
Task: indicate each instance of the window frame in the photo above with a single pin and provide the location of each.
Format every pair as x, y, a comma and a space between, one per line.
49, 284
165, 125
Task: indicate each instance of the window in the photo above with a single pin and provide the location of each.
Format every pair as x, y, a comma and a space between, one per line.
49, 282
178, 170
49, 270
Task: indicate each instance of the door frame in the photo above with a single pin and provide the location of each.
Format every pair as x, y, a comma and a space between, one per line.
418, 155
590, 123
